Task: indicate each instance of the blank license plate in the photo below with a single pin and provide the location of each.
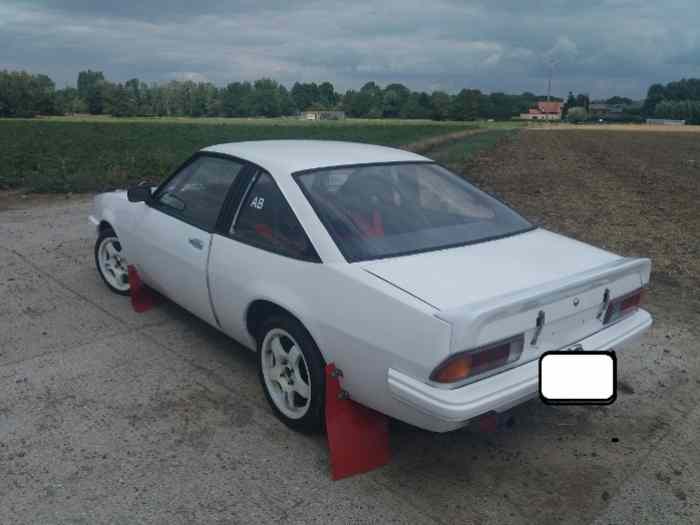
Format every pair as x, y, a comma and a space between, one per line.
575, 377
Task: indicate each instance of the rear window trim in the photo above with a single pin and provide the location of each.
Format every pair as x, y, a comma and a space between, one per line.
447, 246
298, 174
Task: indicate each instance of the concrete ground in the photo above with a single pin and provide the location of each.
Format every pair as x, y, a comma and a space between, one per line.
107, 416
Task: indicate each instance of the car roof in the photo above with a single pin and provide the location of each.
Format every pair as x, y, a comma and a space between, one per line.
290, 156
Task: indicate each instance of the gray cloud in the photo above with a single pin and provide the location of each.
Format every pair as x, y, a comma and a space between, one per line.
602, 47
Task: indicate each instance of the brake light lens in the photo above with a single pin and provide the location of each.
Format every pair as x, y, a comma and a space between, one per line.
474, 362
624, 305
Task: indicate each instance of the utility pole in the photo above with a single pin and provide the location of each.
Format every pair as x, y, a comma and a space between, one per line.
551, 62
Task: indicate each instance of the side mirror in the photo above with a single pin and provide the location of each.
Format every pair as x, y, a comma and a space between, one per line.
138, 193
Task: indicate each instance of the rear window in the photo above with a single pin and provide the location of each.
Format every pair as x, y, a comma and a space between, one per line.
378, 211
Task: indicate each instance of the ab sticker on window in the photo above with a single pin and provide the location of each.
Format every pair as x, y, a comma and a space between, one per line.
258, 203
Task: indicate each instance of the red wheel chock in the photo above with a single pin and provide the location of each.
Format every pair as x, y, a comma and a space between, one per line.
142, 297
358, 437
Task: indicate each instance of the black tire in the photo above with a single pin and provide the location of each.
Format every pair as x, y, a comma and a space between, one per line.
313, 421
106, 233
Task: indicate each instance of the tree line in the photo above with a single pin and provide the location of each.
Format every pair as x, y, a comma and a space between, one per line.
25, 95
679, 100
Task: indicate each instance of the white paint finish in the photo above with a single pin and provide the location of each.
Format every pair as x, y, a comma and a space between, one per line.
564, 321
496, 289
519, 309
580, 376
368, 324
442, 410
161, 249
353, 317
455, 277
289, 156
122, 216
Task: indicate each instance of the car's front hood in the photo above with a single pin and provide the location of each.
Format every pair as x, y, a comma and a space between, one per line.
454, 277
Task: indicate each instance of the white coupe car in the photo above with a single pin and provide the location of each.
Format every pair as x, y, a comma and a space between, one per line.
434, 298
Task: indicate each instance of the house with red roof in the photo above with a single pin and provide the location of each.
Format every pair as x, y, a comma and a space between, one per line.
543, 111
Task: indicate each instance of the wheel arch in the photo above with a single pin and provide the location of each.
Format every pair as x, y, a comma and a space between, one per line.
107, 219
104, 225
261, 309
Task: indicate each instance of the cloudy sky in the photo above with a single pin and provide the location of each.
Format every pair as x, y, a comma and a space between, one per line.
602, 47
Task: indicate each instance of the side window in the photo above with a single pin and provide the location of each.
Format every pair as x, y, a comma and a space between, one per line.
265, 220
196, 194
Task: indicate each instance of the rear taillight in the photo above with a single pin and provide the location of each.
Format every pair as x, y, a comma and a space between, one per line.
622, 306
474, 362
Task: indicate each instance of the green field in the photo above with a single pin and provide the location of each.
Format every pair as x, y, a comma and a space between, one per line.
92, 154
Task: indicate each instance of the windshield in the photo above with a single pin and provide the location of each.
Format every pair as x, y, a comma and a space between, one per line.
377, 211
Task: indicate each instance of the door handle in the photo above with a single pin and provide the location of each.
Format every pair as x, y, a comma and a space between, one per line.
197, 243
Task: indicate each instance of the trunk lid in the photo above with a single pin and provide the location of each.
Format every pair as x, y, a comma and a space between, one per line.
495, 290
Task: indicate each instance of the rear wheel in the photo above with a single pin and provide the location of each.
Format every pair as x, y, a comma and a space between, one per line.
111, 263
291, 371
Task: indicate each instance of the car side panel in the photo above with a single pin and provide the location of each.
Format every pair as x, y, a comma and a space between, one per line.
126, 216
358, 321
106, 208
171, 256
158, 246
123, 216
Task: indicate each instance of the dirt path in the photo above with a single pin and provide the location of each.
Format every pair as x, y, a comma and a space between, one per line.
427, 145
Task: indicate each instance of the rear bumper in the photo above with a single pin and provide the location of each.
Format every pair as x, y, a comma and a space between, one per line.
441, 410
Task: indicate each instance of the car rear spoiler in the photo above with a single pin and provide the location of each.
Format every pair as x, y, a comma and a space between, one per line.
474, 316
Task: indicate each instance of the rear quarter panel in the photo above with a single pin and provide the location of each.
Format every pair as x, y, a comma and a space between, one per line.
362, 324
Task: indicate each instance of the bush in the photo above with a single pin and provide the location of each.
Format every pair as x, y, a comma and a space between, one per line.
577, 115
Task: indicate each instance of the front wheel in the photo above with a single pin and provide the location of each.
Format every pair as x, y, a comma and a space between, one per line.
111, 263
291, 371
